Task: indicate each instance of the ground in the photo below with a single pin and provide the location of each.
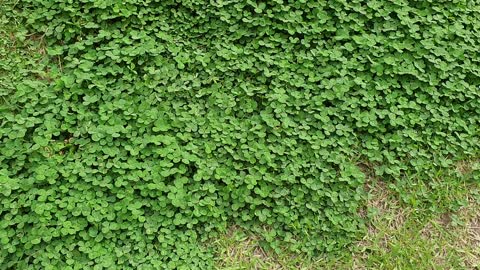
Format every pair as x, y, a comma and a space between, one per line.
400, 235
413, 223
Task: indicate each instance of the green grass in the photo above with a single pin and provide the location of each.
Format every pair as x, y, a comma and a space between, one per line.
438, 230
396, 240
22, 56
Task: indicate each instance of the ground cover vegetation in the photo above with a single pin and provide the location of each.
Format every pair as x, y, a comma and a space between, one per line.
132, 133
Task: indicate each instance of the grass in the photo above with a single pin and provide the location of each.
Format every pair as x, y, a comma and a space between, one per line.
441, 230
22, 56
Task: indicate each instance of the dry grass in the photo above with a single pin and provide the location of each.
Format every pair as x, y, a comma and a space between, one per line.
465, 167
239, 250
464, 229
386, 215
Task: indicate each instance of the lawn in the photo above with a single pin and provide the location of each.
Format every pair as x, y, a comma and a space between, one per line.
413, 221
400, 235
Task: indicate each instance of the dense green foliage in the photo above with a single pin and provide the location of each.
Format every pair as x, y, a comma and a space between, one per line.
157, 123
